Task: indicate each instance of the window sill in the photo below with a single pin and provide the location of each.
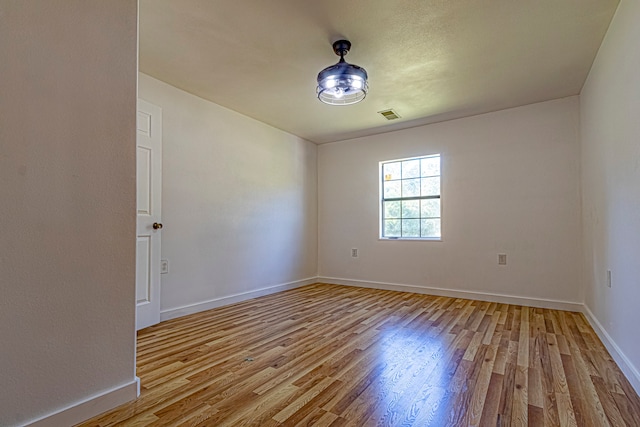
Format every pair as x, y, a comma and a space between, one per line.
409, 239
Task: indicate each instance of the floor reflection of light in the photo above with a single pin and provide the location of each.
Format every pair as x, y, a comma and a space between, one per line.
412, 380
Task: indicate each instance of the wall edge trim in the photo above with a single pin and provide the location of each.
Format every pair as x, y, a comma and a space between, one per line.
197, 307
452, 293
625, 365
91, 406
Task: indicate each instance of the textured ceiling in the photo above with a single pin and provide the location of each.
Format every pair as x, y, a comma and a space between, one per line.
429, 60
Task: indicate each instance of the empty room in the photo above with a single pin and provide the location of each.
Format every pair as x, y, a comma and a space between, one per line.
319, 213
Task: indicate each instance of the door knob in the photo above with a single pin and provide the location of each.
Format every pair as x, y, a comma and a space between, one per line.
157, 226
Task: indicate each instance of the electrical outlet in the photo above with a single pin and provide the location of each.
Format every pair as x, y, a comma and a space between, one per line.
354, 253
502, 259
164, 266
608, 278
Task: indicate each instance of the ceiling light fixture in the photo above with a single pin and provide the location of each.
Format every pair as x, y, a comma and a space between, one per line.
342, 83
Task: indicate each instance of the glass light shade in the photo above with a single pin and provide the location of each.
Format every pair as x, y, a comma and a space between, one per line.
342, 84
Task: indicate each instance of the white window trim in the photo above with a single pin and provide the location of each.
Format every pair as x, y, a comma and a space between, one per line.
381, 203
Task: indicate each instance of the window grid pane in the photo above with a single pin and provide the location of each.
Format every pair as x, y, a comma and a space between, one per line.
430, 228
411, 187
430, 208
410, 169
392, 228
410, 209
410, 228
392, 209
392, 189
414, 187
392, 171
430, 186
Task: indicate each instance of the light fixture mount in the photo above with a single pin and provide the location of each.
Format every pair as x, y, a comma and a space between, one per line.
342, 83
341, 48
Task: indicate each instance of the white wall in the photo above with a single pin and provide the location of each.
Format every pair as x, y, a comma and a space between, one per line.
510, 185
67, 207
610, 131
239, 203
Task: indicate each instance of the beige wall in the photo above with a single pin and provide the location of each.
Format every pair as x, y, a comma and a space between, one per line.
510, 184
610, 129
239, 203
67, 204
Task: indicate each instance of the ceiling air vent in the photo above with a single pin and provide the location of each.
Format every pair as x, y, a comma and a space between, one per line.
389, 114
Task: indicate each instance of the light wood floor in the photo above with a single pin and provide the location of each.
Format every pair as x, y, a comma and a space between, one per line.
327, 355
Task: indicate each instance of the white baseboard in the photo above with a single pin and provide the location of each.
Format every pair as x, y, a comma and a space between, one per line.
90, 407
172, 313
629, 370
481, 296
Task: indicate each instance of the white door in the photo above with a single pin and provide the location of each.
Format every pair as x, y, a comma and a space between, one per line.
149, 179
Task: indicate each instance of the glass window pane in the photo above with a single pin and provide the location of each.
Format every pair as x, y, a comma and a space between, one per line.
430, 228
410, 169
430, 186
430, 208
411, 209
391, 171
411, 187
392, 189
391, 228
430, 166
410, 228
391, 210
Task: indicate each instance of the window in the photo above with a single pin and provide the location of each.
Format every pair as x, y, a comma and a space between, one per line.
410, 198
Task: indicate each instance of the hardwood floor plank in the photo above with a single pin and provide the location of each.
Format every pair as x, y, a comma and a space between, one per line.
505, 409
535, 416
462, 387
312, 410
575, 390
479, 396
608, 402
431, 401
398, 395
523, 340
491, 405
488, 335
520, 413
535, 394
329, 355
566, 415
317, 418
502, 353
630, 415
301, 401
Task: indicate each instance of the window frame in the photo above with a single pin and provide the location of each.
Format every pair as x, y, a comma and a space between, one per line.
381, 217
